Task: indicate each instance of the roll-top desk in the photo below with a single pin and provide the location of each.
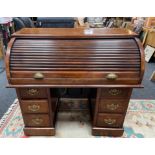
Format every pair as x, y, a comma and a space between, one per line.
39, 60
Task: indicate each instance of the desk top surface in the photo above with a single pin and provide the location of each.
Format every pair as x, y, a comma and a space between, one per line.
74, 32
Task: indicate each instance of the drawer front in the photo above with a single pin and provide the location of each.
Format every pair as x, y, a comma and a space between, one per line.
38, 120
117, 106
115, 92
110, 120
30, 93
34, 106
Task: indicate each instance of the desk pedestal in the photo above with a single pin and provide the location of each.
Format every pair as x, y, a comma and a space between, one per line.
108, 108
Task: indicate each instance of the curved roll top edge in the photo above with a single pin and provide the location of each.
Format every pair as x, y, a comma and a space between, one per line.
10, 45
7, 58
142, 58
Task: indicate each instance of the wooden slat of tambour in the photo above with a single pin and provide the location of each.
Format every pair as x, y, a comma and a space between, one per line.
74, 81
43, 58
75, 69
14, 49
72, 54
73, 60
78, 73
75, 66
62, 51
75, 74
76, 52
93, 57
73, 47
32, 59
103, 44
74, 63
78, 45
70, 48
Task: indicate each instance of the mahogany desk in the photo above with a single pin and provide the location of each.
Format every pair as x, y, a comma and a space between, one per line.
39, 60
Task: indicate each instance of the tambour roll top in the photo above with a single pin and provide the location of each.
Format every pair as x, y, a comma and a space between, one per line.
69, 57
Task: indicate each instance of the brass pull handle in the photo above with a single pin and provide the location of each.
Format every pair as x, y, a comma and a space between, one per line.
34, 107
38, 76
111, 76
112, 106
32, 91
110, 121
114, 92
37, 121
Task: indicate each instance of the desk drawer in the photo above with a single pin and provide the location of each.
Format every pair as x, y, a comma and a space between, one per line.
114, 93
117, 106
110, 120
38, 120
30, 93
34, 106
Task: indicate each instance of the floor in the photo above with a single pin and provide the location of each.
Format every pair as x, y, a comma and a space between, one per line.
7, 95
139, 122
148, 92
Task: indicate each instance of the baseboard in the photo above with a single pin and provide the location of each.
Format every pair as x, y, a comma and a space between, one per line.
111, 132
39, 131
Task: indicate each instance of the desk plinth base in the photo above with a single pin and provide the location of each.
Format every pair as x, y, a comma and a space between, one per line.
112, 132
29, 131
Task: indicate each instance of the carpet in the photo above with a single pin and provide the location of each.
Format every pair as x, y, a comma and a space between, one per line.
139, 122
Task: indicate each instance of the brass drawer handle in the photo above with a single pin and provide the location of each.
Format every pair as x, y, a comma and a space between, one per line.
111, 76
37, 121
110, 121
112, 106
38, 76
115, 92
32, 92
34, 107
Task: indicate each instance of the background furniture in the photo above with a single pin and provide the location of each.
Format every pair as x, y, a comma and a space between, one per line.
55, 22
1, 46
44, 22
150, 22
152, 78
150, 38
6, 28
22, 22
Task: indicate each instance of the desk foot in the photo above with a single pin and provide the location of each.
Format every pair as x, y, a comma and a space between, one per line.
39, 131
112, 132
